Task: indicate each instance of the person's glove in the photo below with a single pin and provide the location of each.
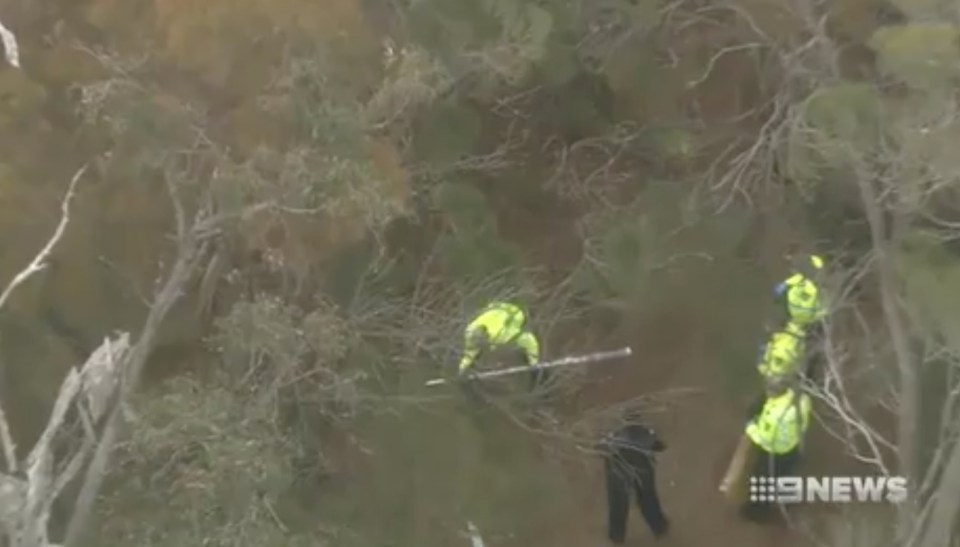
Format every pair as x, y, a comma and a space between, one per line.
465, 374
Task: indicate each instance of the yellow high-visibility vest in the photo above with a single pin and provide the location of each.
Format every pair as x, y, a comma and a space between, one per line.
803, 300
782, 422
504, 325
783, 352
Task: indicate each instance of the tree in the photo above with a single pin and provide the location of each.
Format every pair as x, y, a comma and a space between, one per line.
885, 136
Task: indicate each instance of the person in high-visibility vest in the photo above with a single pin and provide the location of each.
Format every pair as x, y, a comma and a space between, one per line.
782, 355
501, 326
799, 293
803, 303
776, 430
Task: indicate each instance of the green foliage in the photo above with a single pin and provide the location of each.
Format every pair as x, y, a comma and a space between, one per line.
447, 133
267, 346
926, 10
838, 125
252, 331
309, 179
144, 123
460, 469
472, 249
267, 329
560, 62
525, 26
323, 112
925, 134
199, 470
498, 40
931, 274
448, 27
619, 247
465, 207
20, 98
924, 55
849, 112
415, 81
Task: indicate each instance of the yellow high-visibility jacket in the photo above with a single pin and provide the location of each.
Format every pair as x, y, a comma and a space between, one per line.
803, 299
783, 352
781, 424
504, 324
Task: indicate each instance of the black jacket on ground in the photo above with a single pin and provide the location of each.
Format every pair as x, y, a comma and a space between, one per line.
629, 468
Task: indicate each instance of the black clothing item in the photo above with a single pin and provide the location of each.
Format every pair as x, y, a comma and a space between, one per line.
768, 465
499, 358
815, 358
539, 378
629, 465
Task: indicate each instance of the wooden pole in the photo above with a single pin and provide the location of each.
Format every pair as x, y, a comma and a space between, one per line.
732, 483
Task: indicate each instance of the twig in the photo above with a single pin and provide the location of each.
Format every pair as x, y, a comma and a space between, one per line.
276, 518
39, 262
716, 57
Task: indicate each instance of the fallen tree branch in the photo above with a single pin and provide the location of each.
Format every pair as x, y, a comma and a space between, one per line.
10, 47
26, 504
190, 252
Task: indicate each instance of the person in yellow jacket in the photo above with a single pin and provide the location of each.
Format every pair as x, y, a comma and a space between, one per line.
804, 305
783, 355
498, 327
799, 293
776, 429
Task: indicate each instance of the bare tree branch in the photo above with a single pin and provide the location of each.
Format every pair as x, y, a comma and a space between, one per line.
38, 263
11, 49
189, 254
907, 436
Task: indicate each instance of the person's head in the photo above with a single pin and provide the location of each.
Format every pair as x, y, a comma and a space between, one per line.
807, 265
521, 319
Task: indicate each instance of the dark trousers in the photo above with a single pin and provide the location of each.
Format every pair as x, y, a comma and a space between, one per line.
478, 397
539, 379
769, 465
816, 358
621, 480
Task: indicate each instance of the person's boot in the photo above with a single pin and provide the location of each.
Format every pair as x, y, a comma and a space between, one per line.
662, 530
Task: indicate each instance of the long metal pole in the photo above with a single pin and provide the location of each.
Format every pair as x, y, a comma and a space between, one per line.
562, 362
476, 540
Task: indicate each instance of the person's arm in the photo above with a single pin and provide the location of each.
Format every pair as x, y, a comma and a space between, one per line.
470, 349
530, 346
